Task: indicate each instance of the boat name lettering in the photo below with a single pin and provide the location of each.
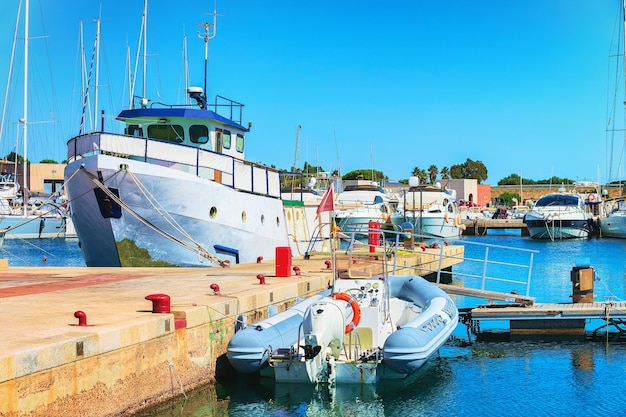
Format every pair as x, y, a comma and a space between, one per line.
433, 323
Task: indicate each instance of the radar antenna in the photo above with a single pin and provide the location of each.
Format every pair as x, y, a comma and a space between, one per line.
209, 33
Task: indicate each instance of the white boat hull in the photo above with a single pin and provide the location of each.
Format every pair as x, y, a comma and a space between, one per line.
177, 207
557, 227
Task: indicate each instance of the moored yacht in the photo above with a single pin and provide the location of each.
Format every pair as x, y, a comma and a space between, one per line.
613, 224
362, 202
432, 211
559, 216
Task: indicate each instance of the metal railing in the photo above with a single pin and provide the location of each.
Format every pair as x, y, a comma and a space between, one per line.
486, 267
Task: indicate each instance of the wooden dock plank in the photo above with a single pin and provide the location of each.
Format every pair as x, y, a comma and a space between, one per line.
487, 295
615, 310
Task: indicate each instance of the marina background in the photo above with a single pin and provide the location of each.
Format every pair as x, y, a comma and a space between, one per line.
453, 73
538, 377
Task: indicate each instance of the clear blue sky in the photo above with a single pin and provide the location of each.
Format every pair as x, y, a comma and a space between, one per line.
520, 85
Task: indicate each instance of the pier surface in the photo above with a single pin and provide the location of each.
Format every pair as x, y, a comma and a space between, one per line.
125, 356
479, 227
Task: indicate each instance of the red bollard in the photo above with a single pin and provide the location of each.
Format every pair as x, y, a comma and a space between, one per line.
160, 303
296, 269
373, 238
82, 318
329, 264
261, 279
259, 259
215, 288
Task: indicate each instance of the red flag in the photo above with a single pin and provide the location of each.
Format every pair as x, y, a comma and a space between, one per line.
327, 203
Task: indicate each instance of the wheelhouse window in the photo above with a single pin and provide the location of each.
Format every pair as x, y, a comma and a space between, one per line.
239, 143
226, 139
171, 133
199, 134
135, 130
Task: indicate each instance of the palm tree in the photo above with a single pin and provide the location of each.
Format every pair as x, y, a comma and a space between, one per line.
445, 173
432, 173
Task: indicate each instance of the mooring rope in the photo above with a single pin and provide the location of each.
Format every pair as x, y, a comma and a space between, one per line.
197, 248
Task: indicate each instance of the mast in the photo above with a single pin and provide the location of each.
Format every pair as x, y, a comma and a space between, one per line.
145, 44
95, 94
208, 35
6, 91
25, 118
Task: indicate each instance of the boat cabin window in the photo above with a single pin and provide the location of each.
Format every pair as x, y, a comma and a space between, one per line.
134, 130
557, 200
199, 134
226, 138
171, 133
239, 143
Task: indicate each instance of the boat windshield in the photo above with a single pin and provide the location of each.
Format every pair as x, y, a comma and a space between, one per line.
557, 200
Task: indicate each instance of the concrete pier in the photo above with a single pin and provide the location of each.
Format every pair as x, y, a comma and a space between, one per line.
86, 342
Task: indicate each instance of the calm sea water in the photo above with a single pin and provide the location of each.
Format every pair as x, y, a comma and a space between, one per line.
537, 378
41, 252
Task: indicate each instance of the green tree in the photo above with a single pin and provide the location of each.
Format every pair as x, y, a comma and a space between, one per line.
445, 173
12, 157
365, 174
556, 181
48, 161
421, 174
469, 169
432, 173
514, 179
506, 199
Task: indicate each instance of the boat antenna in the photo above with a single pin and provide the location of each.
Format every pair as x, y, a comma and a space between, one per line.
337, 150
209, 33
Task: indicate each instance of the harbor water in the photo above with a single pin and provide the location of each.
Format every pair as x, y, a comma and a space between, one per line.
478, 378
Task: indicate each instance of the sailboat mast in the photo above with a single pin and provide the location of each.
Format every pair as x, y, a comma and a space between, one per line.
145, 44
95, 94
25, 118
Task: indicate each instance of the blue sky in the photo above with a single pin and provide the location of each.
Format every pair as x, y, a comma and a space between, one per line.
520, 85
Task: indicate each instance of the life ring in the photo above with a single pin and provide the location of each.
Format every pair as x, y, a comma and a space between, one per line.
591, 197
356, 310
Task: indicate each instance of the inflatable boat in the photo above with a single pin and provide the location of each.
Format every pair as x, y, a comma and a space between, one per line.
363, 330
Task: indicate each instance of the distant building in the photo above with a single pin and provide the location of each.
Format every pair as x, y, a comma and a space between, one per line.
42, 178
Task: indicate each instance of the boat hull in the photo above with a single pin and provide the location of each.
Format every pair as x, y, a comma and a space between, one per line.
436, 227
166, 214
557, 229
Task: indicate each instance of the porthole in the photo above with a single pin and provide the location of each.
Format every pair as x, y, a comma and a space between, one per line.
277, 221
288, 215
262, 219
244, 216
213, 212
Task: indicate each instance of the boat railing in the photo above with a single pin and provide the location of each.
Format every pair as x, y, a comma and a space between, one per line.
487, 267
230, 171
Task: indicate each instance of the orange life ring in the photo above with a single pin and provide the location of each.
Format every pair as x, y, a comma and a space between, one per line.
591, 197
356, 310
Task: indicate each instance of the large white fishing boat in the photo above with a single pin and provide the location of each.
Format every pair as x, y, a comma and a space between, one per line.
174, 188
